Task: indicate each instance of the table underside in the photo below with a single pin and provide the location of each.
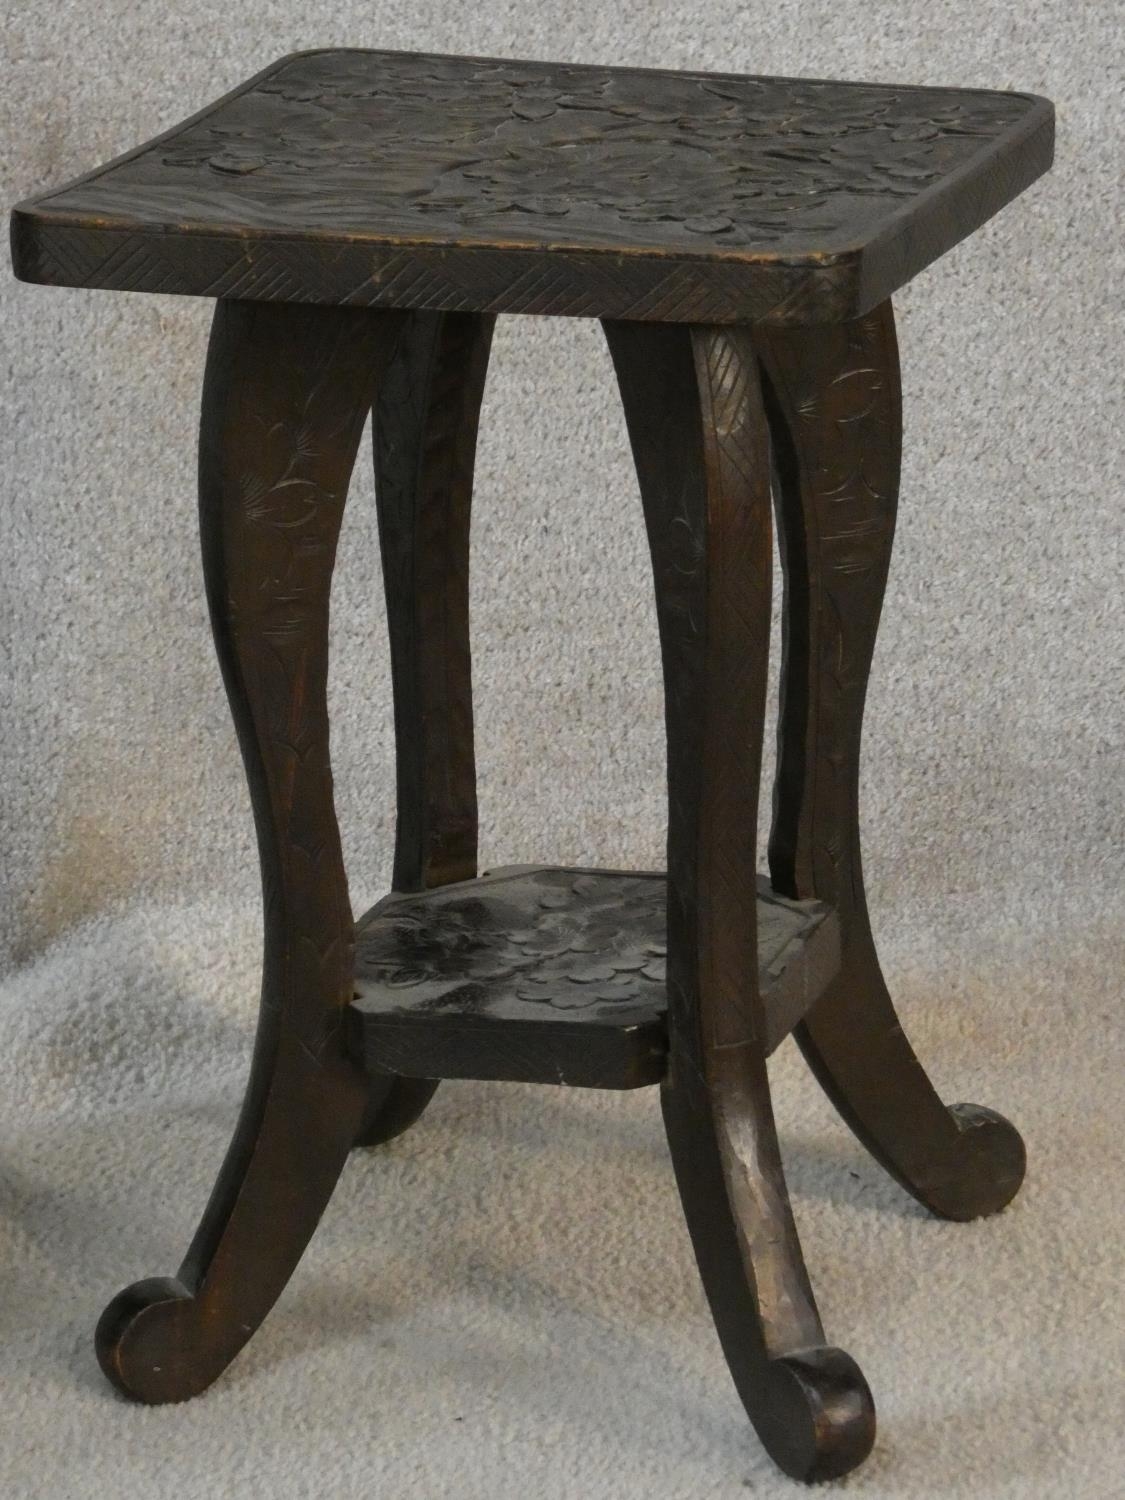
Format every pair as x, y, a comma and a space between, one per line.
469, 184
553, 975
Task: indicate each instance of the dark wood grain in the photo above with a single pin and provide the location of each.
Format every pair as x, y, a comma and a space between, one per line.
425, 445
468, 184
286, 394
424, 440
837, 421
546, 975
698, 430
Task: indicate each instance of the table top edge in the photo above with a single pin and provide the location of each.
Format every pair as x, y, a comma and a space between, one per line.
862, 268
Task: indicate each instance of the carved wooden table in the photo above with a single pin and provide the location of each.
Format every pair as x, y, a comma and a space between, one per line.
361, 217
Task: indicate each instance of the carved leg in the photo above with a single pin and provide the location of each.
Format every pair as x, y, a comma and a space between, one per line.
695, 419
425, 438
835, 411
285, 397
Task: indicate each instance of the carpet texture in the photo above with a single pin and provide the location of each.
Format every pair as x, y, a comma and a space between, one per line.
504, 1303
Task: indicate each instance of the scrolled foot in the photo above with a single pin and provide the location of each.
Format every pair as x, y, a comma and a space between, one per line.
286, 394
696, 419
144, 1344
835, 406
393, 1107
985, 1169
822, 1415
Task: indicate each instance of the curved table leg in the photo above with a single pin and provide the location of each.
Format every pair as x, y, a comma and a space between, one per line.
285, 397
425, 435
835, 409
695, 419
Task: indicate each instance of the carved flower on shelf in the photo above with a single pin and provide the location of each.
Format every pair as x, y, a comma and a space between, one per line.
549, 939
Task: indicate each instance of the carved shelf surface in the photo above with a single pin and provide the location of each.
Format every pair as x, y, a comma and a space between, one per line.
552, 975
398, 179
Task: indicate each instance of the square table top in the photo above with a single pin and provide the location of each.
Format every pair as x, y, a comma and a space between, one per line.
398, 179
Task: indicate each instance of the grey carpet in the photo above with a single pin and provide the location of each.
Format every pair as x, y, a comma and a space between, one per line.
504, 1302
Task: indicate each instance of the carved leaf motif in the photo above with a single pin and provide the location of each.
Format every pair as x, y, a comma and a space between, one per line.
387, 142
551, 938
839, 391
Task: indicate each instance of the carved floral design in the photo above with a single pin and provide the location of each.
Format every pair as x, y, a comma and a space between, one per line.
839, 395
543, 941
401, 144
556, 938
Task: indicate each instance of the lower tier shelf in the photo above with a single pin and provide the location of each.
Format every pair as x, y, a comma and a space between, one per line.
547, 975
